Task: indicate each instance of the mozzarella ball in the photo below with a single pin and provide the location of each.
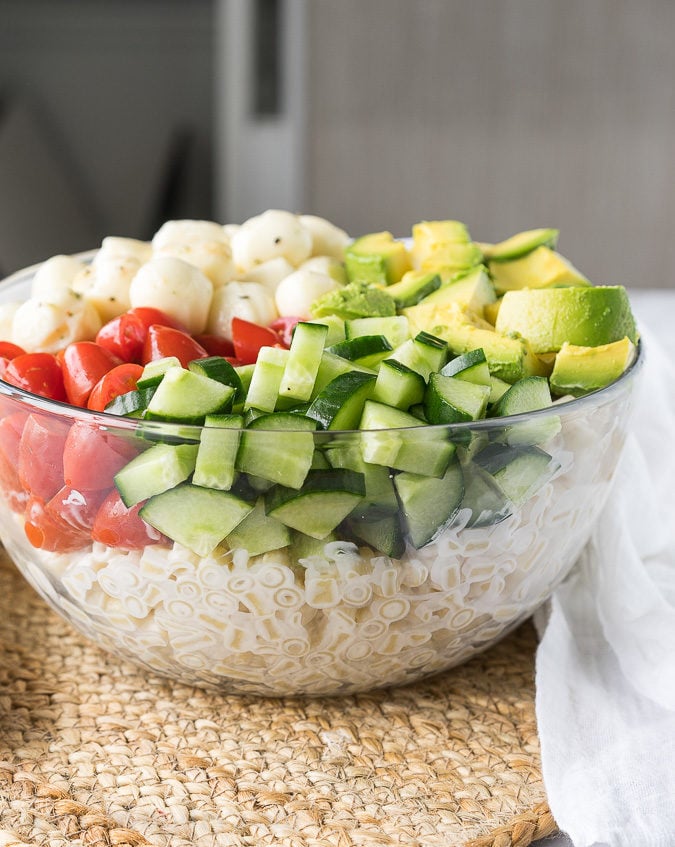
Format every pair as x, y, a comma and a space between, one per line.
250, 301
39, 326
203, 244
327, 239
326, 265
55, 276
122, 249
7, 312
106, 285
230, 229
186, 232
274, 233
176, 287
296, 293
270, 273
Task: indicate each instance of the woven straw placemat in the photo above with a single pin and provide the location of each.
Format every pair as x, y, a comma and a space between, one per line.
94, 751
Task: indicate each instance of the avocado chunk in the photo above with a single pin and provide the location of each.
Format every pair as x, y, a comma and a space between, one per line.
581, 316
520, 244
540, 268
355, 300
427, 234
452, 256
377, 259
578, 370
413, 287
473, 289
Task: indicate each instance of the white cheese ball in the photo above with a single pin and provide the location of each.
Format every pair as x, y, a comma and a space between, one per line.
7, 312
106, 284
250, 301
54, 277
176, 287
230, 229
270, 273
327, 239
326, 265
43, 327
203, 244
296, 293
274, 233
117, 248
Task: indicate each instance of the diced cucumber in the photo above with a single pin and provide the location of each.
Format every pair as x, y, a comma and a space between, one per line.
287, 457
131, 404
396, 440
268, 372
154, 471
366, 350
528, 395
217, 452
471, 367
303, 360
395, 329
483, 498
448, 399
327, 497
188, 397
379, 528
518, 471
258, 532
425, 354
378, 481
218, 368
498, 387
245, 374
332, 366
340, 404
398, 385
198, 518
429, 504
154, 371
335, 327
305, 547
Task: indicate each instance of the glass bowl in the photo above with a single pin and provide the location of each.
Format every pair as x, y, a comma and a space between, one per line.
363, 607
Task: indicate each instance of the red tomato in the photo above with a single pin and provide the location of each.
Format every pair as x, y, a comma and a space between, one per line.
216, 345
119, 380
123, 336
11, 428
92, 456
84, 363
10, 351
37, 372
149, 316
50, 532
248, 338
117, 526
284, 327
40, 460
166, 341
76, 508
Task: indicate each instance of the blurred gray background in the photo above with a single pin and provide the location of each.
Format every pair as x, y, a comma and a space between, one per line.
507, 114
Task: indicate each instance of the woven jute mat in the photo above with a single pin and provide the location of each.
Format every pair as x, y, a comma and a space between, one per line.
94, 751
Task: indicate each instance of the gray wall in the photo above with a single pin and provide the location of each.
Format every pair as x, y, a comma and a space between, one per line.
508, 114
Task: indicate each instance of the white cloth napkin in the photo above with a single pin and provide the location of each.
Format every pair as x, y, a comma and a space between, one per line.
605, 674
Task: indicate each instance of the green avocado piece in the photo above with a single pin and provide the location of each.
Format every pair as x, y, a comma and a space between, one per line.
413, 287
520, 244
355, 300
583, 316
473, 289
540, 268
377, 259
578, 370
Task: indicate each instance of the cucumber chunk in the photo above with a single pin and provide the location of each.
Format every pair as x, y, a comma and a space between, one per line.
153, 372
327, 497
284, 459
519, 472
268, 372
528, 395
425, 354
131, 404
395, 329
471, 367
332, 366
188, 397
303, 360
365, 350
379, 528
451, 400
429, 504
398, 385
154, 471
259, 533
217, 452
378, 481
218, 368
198, 518
340, 404
483, 498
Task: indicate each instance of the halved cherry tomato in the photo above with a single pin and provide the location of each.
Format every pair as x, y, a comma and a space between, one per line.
119, 380
165, 341
149, 316
125, 335
39, 373
10, 351
284, 327
118, 526
40, 461
92, 456
248, 338
49, 532
84, 363
216, 345
77, 508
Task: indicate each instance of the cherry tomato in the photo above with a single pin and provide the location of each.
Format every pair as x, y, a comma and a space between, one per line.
49, 532
77, 508
216, 345
118, 526
123, 337
92, 456
166, 341
84, 363
10, 351
38, 373
119, 380
248, 338
284, 327
149, 316
40, 461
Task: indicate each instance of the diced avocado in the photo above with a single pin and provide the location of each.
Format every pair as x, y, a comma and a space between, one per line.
413, 287
520, 244
452, 256
426, 234
541, 268
474, 290
376, 259
491, 311
578, 370
355, 300
581, 316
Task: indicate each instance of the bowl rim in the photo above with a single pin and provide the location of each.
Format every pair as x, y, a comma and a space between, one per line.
563, 405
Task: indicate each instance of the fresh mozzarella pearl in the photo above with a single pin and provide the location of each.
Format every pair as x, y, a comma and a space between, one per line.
122, 249
250, 301
270, 273
326, 265
39, 326
296, 293
175, 287
55, 276
203, 244
274, 233
186, 232
327, 239
106, 285
7, 312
